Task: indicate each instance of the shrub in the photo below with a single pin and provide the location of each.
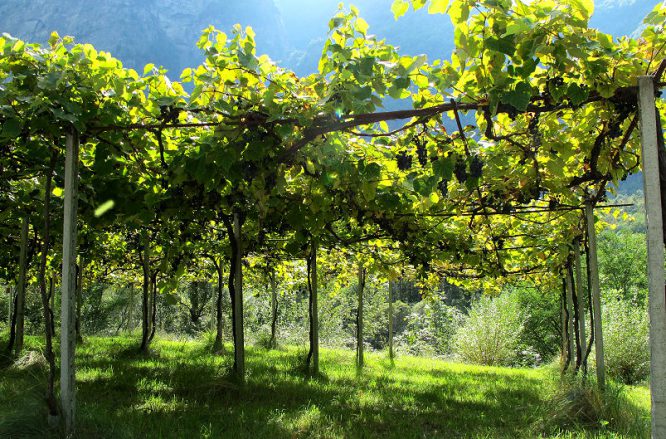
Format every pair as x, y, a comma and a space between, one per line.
430, 329
541, 333
491, 332
574, 405
626, 348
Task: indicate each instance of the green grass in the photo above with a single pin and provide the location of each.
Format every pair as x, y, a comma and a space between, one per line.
183, 391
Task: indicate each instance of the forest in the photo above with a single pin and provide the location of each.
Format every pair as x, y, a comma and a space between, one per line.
392, 245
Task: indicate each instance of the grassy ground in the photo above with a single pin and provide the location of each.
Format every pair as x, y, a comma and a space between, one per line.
182, 391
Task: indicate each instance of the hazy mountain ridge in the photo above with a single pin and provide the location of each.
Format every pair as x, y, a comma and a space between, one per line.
290, 31
163, 32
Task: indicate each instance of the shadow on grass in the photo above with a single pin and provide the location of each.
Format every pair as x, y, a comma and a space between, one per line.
171, 397
181, 390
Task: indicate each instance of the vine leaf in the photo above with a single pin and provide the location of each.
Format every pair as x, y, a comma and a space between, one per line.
519, 97
399, 8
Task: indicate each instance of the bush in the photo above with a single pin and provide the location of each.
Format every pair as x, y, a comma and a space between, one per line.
626, 348
430, 329
541, 333
575, 405
491, 332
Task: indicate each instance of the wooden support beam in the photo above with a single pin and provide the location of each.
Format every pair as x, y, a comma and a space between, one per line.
570, 317
359, 317
655, 244
20, 288
68, 296
390, 320
239, 332
596, 296
315, 311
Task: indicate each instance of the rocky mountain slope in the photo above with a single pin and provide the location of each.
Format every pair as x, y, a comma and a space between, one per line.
138, 32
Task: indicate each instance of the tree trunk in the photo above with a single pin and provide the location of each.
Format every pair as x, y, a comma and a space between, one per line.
272, 343
359, 317
390, 322
580, 297
43, 290
571, 339
218, 346
312, 360
650, 131
590, 309
10, 304
20, 288
145, 298
68, 283
130, 310
12, 320
236, 292
574, 320
153, 303
596, 296
566, 340
52, 302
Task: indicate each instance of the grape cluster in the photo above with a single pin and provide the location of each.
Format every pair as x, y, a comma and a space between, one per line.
614, 129
529, 193
421, 153
460, 170
476, 167
443, 187
512, 113
404, 161
623, 108
169, 114
533, 128
557, 81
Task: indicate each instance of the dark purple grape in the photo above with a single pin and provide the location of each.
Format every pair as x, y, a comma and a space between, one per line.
460, 170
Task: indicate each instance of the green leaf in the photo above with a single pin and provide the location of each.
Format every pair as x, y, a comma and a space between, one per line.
517, 27
443, 167
373, 171
362, 26
53, 39
519, 97
505, 45
577, 94
399, 8
458, 11
369, 191
11, 128
438, 6
57, 191
148, 69
418, 4
401, 83
185, 75
586, 7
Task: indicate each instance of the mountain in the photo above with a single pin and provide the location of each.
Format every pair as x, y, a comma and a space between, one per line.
621, 17
138, 32
164, 32
415, 33
418, 32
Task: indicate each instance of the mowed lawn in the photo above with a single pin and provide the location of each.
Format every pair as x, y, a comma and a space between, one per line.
182, 391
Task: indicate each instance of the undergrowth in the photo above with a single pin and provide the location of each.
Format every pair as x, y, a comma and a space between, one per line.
182, 390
